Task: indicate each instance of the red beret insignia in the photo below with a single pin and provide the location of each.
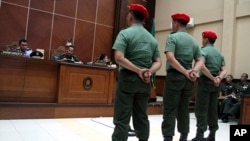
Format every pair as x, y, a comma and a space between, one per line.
139, 8
209, 34
181, 16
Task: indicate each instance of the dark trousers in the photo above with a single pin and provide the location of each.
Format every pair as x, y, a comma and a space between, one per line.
177, 93
220, 107
206, 104
131, 97
231, 106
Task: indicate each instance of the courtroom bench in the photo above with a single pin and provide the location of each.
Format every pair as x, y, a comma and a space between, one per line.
34, 88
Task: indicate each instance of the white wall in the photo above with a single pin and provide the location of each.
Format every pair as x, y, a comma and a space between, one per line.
229, 18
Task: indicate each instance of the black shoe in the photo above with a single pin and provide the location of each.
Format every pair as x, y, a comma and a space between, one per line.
130, 134
222, 116
131, 130
211, 136
168, 138
183, 137
199, 137
210, 139
225, 119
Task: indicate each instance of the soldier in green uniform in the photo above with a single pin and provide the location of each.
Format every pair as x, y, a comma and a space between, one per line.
232, 104
137, 53
208, 87
226, 90
181, 50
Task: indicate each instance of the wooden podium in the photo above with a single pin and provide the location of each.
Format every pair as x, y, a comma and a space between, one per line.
84, 84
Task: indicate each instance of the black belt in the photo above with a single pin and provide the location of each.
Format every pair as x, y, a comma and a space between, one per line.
173, 71
214, 75
127, 71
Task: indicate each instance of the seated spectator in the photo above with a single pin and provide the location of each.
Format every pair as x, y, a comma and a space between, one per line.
226, 91
233, 103
23, 48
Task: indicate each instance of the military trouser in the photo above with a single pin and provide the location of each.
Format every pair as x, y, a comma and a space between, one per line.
220, 107
132, 96
177, 94
206, 105
235, 110
231, 106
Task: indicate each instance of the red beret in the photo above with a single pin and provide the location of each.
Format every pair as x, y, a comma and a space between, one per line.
209, 34
139, 8
181, 16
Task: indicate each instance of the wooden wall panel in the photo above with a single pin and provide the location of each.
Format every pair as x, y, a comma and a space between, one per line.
106, 12
51, 23
87, 9
84, 40
39, 38
103, 41
12, 27
19, 2
44, 5
63, 27
64, 7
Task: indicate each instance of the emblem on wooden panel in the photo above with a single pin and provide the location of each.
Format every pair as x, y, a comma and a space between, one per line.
87, 83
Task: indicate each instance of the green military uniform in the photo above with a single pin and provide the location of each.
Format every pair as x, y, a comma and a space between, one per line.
232, 105
226, 88
132, 94
178, 88
70, 57
207, 92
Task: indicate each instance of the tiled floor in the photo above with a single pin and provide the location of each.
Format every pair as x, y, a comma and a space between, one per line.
86, 129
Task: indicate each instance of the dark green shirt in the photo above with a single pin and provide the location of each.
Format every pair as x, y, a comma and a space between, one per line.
213, 58
70, 58
184, 47
227, 88
138, 46
242, 88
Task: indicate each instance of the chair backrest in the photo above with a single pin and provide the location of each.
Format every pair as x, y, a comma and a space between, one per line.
56, 52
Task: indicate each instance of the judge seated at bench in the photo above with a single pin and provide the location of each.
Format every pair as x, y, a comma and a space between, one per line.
23, 48
69, 55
